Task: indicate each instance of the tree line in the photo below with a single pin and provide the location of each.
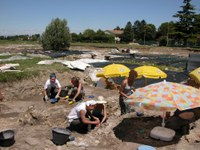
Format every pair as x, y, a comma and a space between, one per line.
183, 32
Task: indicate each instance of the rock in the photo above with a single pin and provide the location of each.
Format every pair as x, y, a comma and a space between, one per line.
32, 141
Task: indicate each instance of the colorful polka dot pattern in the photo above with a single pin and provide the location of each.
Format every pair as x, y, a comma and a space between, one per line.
166, 96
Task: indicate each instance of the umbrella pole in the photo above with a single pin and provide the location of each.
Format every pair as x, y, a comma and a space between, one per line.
163, 119
145, 81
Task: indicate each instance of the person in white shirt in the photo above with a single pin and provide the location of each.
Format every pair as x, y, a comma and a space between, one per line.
81, 118
52, 88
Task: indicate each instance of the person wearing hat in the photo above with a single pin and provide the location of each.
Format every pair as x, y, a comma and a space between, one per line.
52, 88
100, 110
81, 118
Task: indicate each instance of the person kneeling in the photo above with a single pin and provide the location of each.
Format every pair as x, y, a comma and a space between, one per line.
81, 119
52, 88
181, 120
76, 92
100, 110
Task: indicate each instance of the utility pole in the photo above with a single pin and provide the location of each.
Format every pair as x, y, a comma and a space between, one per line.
144, 35
167, 33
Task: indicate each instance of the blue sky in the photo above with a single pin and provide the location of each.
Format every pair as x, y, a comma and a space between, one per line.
32, 16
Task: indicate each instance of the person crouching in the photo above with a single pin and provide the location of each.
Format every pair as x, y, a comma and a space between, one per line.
81, 118
52, 88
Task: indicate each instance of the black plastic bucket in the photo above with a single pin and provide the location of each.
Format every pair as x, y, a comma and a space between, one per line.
7, 138
60, 135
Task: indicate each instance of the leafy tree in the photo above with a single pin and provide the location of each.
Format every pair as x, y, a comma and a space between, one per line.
117, 28
56, 35
150, 32
166, 30
127, 36
88, 35
100, 36
35, 37
162, 41
75, 37
197, 24
144, 32
185, 25
139, 30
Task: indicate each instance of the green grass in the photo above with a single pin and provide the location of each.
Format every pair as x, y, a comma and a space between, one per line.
5, 56
29, 68
110, 45
8, 42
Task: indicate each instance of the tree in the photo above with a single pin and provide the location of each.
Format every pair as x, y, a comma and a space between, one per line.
127, 36
186, 20
88, 35
197, 24
166, 31
139, 30
75, 37
150, 32
56, 35
100, 36
144, 32
117, 28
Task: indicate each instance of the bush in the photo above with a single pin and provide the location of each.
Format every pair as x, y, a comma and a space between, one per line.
56, 35
163, 41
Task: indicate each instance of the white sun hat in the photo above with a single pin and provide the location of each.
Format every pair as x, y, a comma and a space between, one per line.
90, 102
101, 100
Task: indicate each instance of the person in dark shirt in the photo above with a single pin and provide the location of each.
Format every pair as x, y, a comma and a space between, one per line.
181, 120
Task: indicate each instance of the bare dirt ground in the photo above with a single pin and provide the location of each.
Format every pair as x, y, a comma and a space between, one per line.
24, 111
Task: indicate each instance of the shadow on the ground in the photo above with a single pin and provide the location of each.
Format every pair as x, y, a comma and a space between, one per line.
137, 130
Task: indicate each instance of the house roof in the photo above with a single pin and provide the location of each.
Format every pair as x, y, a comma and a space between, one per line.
116, 32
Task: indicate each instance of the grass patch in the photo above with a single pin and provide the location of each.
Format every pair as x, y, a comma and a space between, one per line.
29, 68
110, 45
7, 42
16, 76
5, 56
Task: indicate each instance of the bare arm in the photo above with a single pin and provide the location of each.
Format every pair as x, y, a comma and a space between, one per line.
104, 113
78, 90
87, 121
59, 90
44, 92
121, 89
